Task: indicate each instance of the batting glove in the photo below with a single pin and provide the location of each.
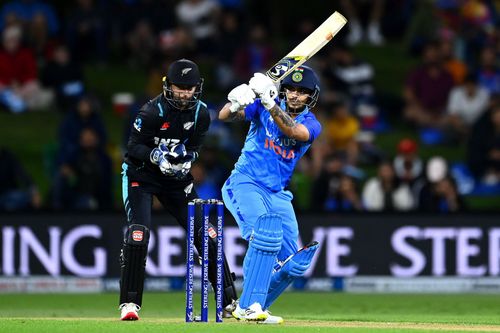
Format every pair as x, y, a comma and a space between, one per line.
242, 95
265, 88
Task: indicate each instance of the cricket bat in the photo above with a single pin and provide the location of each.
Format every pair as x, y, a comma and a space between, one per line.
308, 47
305, 50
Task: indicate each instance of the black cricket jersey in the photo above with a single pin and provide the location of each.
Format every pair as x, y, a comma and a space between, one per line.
159, 122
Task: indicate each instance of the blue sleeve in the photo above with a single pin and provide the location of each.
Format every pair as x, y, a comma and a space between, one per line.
253, 110
314, 128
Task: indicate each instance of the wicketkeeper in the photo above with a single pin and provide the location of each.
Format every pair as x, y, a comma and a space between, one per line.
165, 139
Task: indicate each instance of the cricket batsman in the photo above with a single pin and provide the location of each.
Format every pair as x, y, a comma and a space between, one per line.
282, 129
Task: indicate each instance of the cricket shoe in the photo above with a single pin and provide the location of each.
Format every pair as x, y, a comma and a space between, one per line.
229, 309
129, 311
271, 320
253, 313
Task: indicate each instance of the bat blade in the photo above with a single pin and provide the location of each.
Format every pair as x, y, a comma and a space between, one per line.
308, 47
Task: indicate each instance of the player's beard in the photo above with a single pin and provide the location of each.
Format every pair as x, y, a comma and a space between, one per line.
295, 106
183, 104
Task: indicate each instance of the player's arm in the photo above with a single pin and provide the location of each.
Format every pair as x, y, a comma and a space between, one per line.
265, 88
225, 113
142, 135
239, 98
288, 125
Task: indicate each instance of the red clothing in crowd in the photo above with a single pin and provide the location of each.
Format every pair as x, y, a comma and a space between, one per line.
19, 67
431, 92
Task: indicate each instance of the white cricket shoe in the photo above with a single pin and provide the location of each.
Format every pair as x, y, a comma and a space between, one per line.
129, 311
272, 320
253, 313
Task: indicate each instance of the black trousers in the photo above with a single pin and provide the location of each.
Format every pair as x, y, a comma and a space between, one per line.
138, 192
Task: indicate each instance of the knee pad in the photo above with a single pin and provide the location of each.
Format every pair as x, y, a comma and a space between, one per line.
133, 263
267, 234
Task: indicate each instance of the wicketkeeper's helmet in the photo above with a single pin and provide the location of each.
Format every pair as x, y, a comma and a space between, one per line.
183, 73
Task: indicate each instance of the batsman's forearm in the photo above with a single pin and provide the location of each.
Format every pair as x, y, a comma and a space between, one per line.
284, 121
288, 125
225, 114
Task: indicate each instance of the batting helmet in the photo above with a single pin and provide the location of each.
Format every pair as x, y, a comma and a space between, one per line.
302, 77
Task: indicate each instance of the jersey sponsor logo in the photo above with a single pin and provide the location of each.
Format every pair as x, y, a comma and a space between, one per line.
278, 150
185, 71
165, 126
188, 125
167, 142
137, 235
138, 124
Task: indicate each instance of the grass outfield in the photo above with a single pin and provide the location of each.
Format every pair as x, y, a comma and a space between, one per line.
303, 312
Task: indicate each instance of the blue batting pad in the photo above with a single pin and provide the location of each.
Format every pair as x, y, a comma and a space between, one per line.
265, 243
293, 267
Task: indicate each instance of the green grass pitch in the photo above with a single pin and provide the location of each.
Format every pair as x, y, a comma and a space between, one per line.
303, 312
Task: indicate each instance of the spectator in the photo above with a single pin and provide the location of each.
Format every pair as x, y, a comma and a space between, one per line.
341, 130
84, 179
439, 194
200, 18
86, 32
483, 151
351, 76
373, 33
229, 41
19, 86
17, 190
465, 105
489, 74
426, 91
64, 77
84, 116
40, 41
254, 56
142, 43
24, 12
333, 190
407, 164
454, 66
386, 193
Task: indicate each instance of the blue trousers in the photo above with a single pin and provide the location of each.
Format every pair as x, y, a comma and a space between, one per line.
246, 200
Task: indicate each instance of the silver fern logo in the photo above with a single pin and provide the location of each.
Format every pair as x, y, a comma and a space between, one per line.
185, 71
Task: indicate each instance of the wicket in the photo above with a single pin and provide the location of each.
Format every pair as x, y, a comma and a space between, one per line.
206, 233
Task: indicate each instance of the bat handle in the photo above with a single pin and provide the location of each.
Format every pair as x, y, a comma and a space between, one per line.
234, 107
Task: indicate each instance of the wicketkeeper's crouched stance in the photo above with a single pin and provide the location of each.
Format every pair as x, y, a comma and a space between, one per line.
166, 138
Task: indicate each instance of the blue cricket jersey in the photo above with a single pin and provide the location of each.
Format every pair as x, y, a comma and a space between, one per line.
268, 156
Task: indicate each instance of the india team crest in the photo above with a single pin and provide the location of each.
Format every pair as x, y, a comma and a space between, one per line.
297, 76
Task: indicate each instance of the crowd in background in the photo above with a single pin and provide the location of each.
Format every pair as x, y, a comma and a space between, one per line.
451, 97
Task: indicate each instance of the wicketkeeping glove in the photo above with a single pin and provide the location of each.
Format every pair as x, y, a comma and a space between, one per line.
181, 169
158, 157
265, 88
179, 154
